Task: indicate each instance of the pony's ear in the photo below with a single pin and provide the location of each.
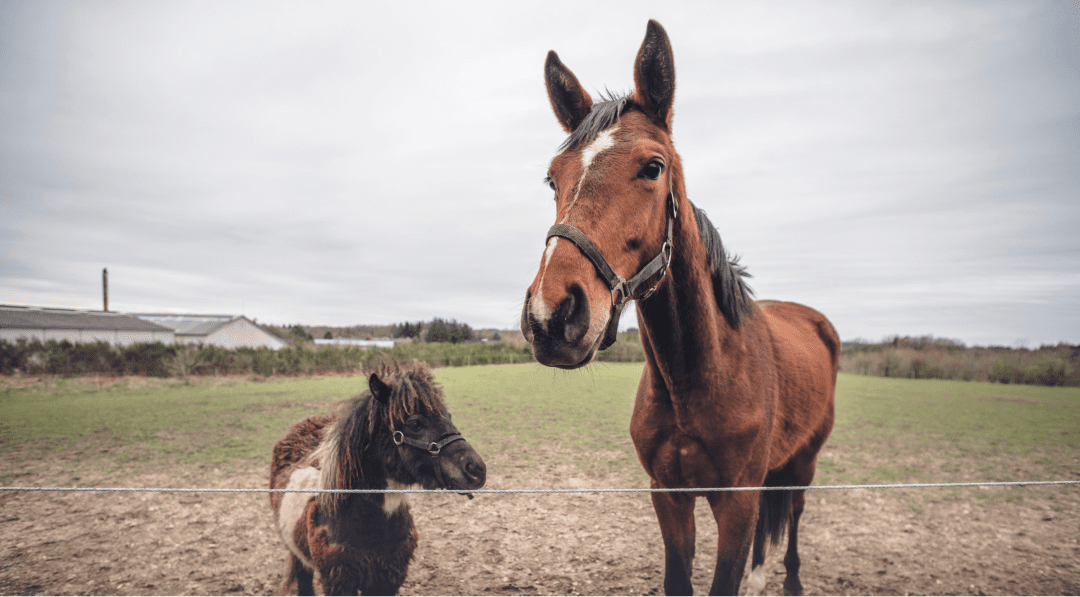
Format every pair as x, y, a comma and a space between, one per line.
569, 101
379, 390
654, 74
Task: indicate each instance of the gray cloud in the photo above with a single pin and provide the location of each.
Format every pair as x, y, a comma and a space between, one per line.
907, 169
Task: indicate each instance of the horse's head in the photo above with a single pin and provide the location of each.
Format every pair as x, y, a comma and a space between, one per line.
614, 190
430, 450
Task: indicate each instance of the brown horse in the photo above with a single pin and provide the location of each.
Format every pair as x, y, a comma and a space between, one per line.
735, 393
395, 435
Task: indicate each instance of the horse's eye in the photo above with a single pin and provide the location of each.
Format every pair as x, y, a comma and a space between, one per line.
551, 183
414, 424
652, 170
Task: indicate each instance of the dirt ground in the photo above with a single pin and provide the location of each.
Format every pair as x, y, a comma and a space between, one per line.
852, 542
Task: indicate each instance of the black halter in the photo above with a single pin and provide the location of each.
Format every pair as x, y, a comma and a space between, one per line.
622, 290
434, 449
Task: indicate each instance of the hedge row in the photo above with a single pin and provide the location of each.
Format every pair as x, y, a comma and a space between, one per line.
1047, 366
160, 360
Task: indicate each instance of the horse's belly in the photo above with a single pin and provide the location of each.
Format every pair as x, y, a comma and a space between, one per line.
293, 508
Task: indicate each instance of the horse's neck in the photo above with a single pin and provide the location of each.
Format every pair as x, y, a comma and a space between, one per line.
687, 338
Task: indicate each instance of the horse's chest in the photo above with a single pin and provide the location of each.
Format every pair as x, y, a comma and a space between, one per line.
680, 460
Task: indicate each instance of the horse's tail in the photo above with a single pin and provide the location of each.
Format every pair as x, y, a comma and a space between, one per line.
774, 513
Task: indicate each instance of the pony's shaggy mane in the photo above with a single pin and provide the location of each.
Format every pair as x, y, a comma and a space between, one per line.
412, 389
733, 295
603, 114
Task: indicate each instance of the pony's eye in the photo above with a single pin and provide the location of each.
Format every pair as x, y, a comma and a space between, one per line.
414, 424
652, 170
551, 183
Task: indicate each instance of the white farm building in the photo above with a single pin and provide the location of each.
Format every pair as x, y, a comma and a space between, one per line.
226, 331
79, 326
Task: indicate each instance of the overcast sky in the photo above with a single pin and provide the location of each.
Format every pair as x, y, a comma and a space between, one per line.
905, 167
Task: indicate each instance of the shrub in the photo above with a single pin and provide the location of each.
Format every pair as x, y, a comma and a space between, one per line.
926, 357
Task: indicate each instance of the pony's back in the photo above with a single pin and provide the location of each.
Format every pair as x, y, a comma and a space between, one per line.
299, 442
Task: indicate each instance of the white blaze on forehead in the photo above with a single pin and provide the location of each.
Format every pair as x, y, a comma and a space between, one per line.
603, 142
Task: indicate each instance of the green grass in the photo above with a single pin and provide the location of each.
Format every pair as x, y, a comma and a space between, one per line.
905, 430
521, 417
201, 422
532, 413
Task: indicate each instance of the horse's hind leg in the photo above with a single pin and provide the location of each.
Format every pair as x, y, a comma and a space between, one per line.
804, 467
792, 585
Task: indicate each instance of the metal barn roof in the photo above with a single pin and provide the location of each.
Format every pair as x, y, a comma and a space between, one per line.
189, 325
12, 316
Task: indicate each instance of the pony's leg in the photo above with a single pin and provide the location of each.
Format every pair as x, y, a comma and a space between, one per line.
342, 578
736, 514
305, 580
676, 515
301, 575
381, 586
792, 585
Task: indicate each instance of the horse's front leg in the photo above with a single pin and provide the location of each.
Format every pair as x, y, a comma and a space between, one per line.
736, 514
675, 512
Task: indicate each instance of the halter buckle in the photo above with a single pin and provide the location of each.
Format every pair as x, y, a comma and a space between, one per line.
399, 438
619, 296
666, 252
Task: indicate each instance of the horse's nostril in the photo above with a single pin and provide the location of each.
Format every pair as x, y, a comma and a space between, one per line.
576, 314
475, 469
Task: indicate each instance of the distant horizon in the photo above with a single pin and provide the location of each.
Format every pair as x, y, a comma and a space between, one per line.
632, 328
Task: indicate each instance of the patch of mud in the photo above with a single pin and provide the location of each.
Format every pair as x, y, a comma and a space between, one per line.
852, 542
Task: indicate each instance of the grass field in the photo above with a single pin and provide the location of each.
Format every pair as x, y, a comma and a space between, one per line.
535, 427
887, 430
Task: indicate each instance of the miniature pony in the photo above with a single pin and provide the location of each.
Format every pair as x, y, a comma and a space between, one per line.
396, 435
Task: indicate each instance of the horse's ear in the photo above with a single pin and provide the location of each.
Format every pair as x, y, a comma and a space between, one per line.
568, 99
379, 390
654, 74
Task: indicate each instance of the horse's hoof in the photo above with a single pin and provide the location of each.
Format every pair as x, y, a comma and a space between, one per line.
755, 584
793, 592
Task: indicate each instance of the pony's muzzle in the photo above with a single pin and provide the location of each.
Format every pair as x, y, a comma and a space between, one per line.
462, 467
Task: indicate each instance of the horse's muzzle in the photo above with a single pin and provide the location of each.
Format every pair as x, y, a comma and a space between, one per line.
562, 338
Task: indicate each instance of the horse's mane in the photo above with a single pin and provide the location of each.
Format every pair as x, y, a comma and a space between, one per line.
347, 448
603, 114
733, 295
